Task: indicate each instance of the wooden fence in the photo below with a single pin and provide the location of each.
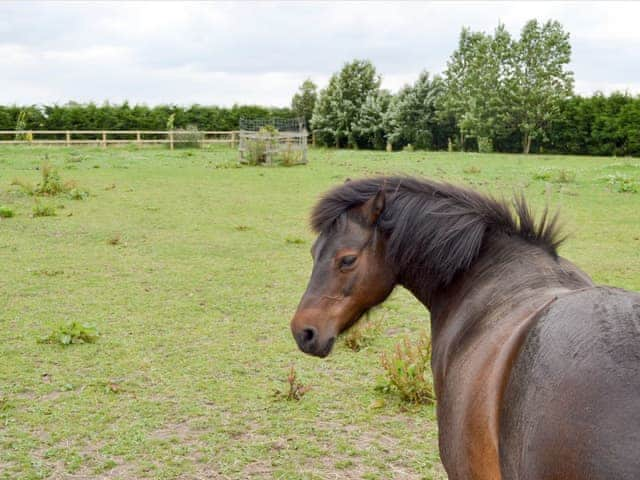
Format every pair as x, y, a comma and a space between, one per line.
112, 137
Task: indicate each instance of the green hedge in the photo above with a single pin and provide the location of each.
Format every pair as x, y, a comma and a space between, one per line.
75, 116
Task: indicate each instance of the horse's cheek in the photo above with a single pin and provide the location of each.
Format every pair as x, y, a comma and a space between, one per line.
349, 286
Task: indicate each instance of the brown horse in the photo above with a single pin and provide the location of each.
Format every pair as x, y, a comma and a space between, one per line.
537, 370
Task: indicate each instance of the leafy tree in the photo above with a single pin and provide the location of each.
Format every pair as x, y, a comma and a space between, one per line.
497, 86
413, 116
539, 81
477, 78
340, 104
368, 129
304, 101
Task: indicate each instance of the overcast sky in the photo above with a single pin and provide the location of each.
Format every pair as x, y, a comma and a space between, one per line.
223, 53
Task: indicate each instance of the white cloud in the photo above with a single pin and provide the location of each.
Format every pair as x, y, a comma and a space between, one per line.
258, 52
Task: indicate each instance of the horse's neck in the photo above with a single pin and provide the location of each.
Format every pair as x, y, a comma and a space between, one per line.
509, 275
478, 324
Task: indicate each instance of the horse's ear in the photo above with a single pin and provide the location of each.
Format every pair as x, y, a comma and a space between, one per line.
374, 207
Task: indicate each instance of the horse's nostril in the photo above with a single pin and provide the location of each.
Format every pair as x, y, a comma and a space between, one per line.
308, 335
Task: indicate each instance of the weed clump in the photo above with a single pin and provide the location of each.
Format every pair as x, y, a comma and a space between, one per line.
472, 169
6, 212
71, 333
43, 210
408, 372
296, 389
50, 184
294, 240
553, 175
623, 183
77, 194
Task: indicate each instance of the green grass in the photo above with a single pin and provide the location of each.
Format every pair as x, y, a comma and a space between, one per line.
193, 311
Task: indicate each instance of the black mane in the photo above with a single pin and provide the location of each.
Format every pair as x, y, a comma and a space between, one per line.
436, 228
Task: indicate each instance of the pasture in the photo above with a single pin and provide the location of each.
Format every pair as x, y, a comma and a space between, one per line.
190, 268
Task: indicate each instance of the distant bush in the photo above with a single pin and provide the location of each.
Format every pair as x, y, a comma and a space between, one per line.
189, 137
408, 370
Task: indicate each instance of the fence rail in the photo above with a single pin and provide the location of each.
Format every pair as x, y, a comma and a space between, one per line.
29, 137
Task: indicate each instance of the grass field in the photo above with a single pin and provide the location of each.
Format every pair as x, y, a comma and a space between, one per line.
191, 269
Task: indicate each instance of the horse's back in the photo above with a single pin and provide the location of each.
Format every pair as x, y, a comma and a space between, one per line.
571, 407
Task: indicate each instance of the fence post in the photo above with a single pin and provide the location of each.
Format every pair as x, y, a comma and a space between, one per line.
138, 138
30, 136
68, 137
104, 139
313, 139
171, 139
233, 139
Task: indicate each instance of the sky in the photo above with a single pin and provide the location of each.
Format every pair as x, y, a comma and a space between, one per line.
218, 53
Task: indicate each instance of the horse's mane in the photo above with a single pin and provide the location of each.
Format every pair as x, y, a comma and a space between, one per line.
436, 229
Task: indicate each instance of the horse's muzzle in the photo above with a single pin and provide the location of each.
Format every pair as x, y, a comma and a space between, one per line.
309, 342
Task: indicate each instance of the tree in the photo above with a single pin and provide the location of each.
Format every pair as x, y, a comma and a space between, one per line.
539, 82
304, 101
413, 116
497, 86
368, 130
339, 105
476, 79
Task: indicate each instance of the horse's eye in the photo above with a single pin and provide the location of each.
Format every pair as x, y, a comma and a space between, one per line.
347, 261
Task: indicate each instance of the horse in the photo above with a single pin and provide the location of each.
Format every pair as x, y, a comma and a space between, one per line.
536, 368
